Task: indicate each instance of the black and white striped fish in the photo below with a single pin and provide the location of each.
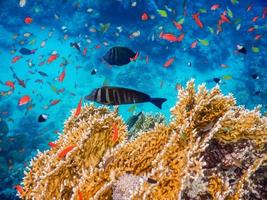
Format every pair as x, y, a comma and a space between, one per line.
117, 96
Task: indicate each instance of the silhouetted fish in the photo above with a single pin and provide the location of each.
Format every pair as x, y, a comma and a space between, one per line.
132, 120
75, 45
217, 80
241, 49
42, 118
116, 96
3, 127
119, 56
25, 51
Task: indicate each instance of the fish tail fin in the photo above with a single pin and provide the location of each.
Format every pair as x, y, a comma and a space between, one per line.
158, 101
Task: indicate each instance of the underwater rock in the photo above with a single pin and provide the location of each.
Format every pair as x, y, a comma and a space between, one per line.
173, 161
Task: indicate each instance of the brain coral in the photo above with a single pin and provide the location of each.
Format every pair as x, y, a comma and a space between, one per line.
211, 149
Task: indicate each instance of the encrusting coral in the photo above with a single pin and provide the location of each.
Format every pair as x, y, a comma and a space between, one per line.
211, 149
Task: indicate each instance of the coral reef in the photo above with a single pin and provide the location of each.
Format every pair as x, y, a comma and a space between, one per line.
212, 149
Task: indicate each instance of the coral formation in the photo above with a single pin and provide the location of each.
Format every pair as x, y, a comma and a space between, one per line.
212, 149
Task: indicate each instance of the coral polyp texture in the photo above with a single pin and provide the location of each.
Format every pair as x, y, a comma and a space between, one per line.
211, 149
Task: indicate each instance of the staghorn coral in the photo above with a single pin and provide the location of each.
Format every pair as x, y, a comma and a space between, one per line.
211, 149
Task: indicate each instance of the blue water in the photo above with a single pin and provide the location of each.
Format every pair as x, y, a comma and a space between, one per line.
26, 135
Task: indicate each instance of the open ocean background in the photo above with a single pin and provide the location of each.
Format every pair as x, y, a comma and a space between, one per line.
57, 23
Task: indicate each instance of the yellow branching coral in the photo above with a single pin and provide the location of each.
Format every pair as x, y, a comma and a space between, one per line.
211, 149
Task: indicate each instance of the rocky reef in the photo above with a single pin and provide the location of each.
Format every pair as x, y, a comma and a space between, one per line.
211, 149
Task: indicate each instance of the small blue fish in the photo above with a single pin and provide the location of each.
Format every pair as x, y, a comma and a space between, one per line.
25, 51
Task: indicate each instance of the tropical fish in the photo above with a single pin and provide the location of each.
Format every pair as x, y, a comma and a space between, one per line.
25, 51
64, 152
241, 49
21, 82
20, 190
132, 120
79, 108
229, 13
211, 29
119, 56
162, 13
227, 77
84, 51
104, 27
42, 73
62, 75
117, 96
255, 18
255, 49
169, 62
10, 84
135, 34
94, 71
52, 58
194, 44
42, 118
215, 7
224, 18
168, 36
249, 8
54, 102
16, 58
24, 100
52, 145
28, 20
217, 80
255, 76
132, 108
202, 10
204, 42
115, 132
257, 37
234, 1
178, 25
22, 3
197, 20
144, 17
75, 45
180, 37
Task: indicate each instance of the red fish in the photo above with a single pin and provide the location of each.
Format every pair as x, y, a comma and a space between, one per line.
98, 46
16, 58
180, 37
178, 25
84, 51
249, 8
264, 12
135, 57
255, 18
147, 59
80, 195
62, 75
168, 36
144, 17
52, 145
251, 29
28, 20
224, 18
79, 108
54, 102
169, 62
10, 84
197, 20
64, 152
24, 100
194, 44
257, 37
215, 7
19, 189
116, 132
52, 58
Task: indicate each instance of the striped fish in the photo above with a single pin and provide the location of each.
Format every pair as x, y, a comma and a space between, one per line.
117, 96
119, 56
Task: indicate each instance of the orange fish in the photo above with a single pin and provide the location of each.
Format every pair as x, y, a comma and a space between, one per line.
16, 58
19, 189
251, 29
144, 17
168, 36
180, 38
255, 18
215, 7
62, 75
178, 25
52, 58
257, 37
194, 44
64, 152
116, 132
54, 102
52, 145
169, 62
135, 57
224, 18
98, 46
80, 195
197, 20
24, 100
10, 84
28, 20
79, 108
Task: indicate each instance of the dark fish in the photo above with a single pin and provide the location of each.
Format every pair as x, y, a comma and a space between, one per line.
241, 49
217, 80
119, 56
117, 96
3, 127
93, 72
42, 74
255, 76
75, 45
25, 51
42, 118
152, 181
132, 120
21, 82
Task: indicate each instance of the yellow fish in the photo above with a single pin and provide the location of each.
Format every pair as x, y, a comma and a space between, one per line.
227, 77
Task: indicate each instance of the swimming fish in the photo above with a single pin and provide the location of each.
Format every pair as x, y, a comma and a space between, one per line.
168, 62
16, 58
52, 58
241, 49
117, 96
194, 44
255, 76
217, 80
25, 51
64, 152
24, 100
21, 82
62, 75
10, 84
197, 20
93, 72
162, 13
79, 108
215, 7
255, 49
22, 3
42, 118
75, 45
104, 27
28, 20
132, 120
168, 36
144, 17
116, 132
119, 56
178, 25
